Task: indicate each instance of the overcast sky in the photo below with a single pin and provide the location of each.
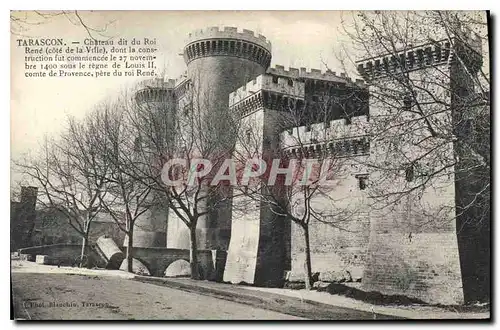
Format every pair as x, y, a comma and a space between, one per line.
40, 105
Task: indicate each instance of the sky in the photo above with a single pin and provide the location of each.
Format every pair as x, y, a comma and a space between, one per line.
40, 106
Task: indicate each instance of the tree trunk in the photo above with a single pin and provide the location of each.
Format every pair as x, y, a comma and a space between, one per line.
307, 262
193, 254
130, 257
84, 250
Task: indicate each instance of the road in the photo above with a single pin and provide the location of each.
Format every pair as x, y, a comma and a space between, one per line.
39, 296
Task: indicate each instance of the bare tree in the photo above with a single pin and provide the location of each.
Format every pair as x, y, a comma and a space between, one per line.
128, 198
70, 176
296, 134
429, 104
164, 132
22, 22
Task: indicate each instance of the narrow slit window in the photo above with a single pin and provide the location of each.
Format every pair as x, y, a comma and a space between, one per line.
410, 173
362, 181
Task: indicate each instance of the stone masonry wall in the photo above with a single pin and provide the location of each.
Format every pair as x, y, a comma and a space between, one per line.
413, 247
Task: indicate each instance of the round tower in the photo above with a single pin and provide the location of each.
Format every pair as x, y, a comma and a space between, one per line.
155, 99
219, 62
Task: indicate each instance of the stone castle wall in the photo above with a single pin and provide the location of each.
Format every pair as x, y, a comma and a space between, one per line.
410, 248
339, 241
413, 247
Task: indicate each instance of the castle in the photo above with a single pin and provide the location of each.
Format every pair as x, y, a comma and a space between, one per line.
394, 252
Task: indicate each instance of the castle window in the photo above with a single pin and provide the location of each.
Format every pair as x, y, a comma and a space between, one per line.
308, 127
420, 56
290, 82
402, 61
385, 62
318, 150
347, 147
362, 181
410, 173
446, 52
407, 102
275, 79
393, 64
365, 145
377, 67
248, 135
437, 53
355, 145
428, 56
411, 59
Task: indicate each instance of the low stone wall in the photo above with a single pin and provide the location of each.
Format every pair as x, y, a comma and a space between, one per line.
212, 262
66, 254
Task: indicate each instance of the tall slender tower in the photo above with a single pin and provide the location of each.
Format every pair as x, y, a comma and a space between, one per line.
219, 62
425, 246
156, 101
23, 216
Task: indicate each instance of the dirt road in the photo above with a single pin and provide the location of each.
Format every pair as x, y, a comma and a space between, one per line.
40, 296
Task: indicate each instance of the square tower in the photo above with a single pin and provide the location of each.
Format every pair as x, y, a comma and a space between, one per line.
420, 98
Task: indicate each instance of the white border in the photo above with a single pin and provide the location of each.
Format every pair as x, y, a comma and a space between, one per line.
200, 5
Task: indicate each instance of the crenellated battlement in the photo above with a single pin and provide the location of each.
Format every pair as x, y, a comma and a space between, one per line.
281, 71
321, 133
156, 83
281, 85
181, 85
154, 90
229, 42
308, 74
419, 57
229, 32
